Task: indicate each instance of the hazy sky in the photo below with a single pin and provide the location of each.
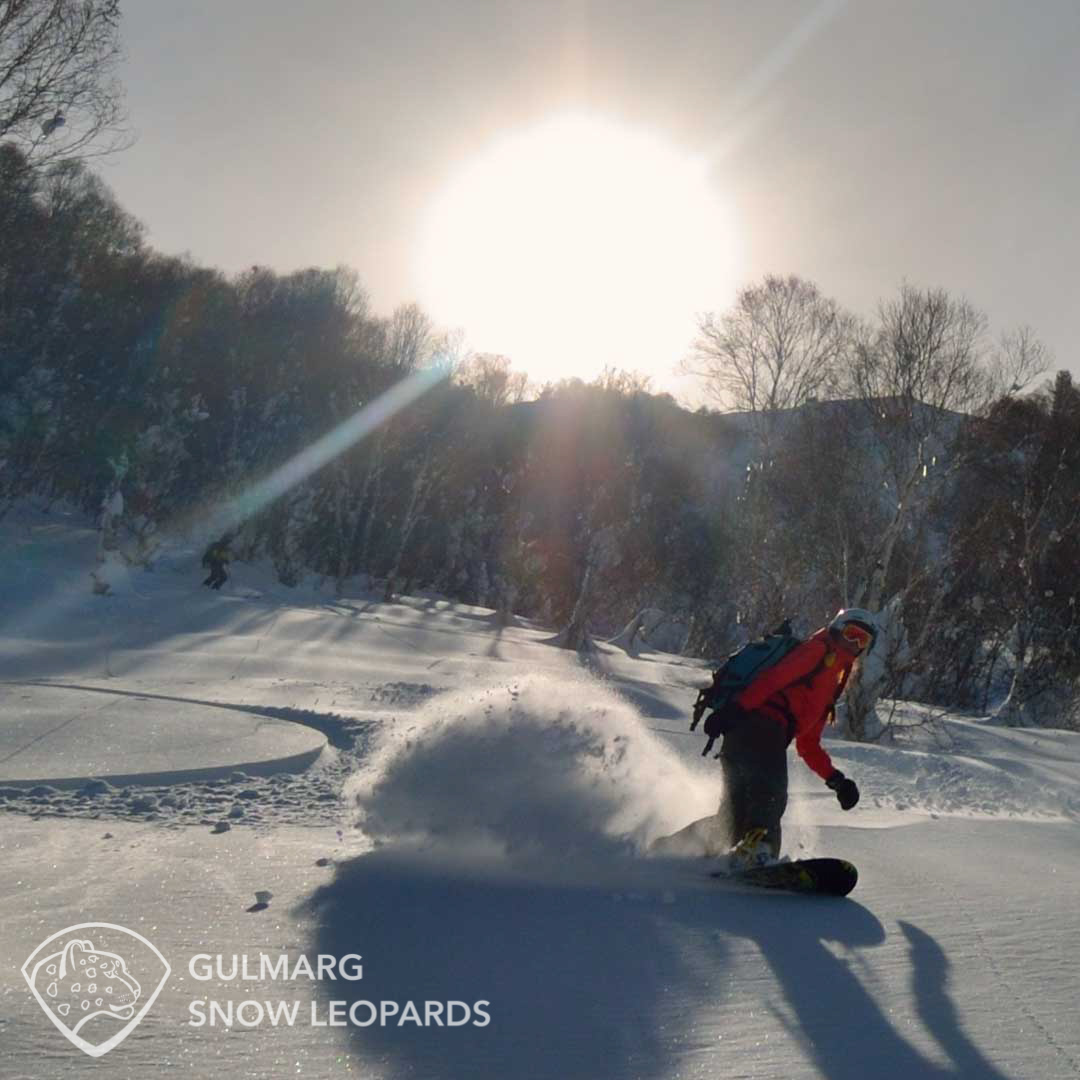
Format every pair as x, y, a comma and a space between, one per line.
858, 145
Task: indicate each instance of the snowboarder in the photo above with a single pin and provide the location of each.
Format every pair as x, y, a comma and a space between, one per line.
792, 700
216, 558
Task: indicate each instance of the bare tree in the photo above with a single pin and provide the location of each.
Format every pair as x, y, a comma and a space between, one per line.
779, 347
620, 381
1020, 358
423, 484
601, 554
1033, 600
410, 339
492, 379
929, 348
59, 97
923, 369
1030, 476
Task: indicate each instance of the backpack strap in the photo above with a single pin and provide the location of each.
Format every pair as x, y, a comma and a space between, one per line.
841, 686
805, 680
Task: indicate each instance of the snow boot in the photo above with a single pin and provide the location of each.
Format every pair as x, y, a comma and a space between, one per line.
752, 850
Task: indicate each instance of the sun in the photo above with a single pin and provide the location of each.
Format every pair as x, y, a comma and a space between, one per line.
578, 244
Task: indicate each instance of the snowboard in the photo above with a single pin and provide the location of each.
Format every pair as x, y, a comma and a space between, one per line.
820, 877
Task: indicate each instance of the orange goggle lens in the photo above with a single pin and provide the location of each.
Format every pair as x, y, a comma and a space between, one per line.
858, 636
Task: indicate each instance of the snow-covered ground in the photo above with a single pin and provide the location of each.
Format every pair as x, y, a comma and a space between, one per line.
474, 831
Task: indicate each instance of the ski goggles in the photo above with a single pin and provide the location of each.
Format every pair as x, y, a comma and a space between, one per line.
858, 636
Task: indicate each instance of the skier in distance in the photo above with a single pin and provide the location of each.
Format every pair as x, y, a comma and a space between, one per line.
215, 559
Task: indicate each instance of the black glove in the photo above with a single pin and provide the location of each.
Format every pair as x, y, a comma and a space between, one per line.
719, 722
846, 792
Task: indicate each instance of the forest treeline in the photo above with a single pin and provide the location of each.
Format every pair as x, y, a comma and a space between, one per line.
892, 463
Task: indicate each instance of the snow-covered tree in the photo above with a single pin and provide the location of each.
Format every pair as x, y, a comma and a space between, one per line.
1021, 543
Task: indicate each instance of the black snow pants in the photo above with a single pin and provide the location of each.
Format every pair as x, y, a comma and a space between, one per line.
754, 762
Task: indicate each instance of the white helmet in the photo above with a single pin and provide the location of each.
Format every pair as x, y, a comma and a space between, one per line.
856, 617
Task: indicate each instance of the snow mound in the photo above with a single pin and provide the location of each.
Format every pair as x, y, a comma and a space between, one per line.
973, 777
540, 767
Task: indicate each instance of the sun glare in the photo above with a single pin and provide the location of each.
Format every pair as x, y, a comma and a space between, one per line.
578, 244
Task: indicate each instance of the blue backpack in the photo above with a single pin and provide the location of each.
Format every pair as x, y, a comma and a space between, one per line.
741, 668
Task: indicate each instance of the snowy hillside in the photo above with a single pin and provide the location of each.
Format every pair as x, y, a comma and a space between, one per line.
474, 830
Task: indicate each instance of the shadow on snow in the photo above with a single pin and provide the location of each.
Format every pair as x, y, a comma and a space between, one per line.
589, 980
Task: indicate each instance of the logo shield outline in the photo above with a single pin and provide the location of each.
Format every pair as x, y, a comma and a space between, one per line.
92, 1049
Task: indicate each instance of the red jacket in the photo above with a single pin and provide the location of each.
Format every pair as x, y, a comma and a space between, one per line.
802, 688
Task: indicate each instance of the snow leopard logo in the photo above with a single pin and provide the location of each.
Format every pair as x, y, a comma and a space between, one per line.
87, 984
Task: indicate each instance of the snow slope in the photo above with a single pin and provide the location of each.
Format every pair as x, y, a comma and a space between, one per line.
475, 832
